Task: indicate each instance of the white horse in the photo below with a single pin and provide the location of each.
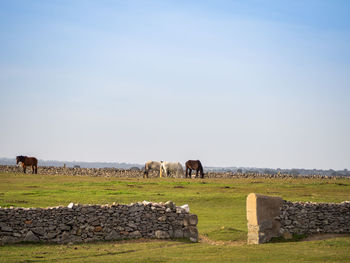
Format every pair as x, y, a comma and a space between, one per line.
151, 165
168, 167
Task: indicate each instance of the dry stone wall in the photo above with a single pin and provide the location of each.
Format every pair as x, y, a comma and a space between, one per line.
133, 173
311, 218
85, 223
97, 172
273, 217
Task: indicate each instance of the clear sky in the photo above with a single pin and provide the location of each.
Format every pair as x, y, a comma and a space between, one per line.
232, 83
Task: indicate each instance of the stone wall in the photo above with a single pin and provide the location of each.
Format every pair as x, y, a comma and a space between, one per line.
85, 223
131, 173
98, 172
273, 217
311, 218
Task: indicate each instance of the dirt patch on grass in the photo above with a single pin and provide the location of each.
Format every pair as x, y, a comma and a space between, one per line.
205, 239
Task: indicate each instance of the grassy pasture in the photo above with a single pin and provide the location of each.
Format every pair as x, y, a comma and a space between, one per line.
219, 204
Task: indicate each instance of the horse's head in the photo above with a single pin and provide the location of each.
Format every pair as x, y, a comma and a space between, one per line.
19, 159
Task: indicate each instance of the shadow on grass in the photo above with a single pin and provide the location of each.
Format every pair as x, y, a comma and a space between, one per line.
227, 234
295, 238
114, 242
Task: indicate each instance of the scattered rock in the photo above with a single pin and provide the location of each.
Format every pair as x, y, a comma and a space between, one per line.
178, 233
98, 229
162, 234
135, 234
193, 220
6, 229
113, 236
30, 237
186, 208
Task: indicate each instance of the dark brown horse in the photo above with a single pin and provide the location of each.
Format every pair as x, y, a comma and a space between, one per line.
194, 165
28, 161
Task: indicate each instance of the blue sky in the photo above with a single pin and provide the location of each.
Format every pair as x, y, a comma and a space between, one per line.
232, 83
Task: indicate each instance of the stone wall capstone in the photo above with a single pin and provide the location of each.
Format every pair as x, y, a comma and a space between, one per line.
77, 223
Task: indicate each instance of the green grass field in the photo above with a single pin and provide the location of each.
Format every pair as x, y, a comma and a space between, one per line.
219, 204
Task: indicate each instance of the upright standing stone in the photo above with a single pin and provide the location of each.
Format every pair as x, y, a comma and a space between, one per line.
261, 213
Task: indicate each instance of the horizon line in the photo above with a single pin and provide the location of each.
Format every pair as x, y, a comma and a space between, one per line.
246, 167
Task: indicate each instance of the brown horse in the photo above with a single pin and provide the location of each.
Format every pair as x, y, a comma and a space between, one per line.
194, 165
28, 161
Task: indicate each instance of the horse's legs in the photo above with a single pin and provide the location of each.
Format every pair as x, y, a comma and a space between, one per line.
196, 173
36, 169
190, 173
166, 171
24, 168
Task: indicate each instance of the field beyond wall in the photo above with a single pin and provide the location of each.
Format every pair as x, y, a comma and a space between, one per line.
219, 204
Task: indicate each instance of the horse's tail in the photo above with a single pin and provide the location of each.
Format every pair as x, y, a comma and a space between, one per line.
201, 169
